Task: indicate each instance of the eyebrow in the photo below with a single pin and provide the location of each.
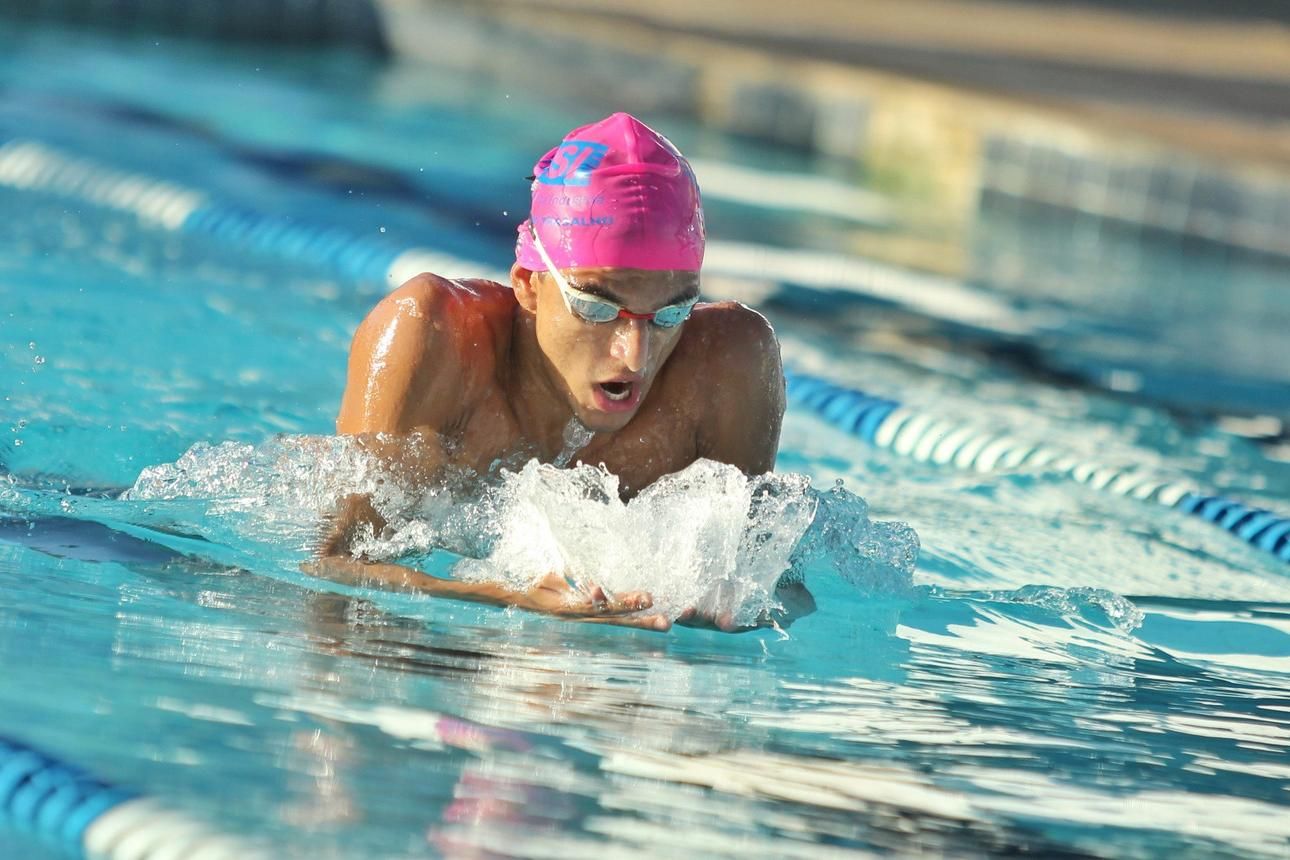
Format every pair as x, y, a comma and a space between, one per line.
595, 289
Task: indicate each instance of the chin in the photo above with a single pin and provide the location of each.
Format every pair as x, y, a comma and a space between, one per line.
601, 422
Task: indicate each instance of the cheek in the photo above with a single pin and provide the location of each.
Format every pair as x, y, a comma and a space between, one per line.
567, 344
665, 340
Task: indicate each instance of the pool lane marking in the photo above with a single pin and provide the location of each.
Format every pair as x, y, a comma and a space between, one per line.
145, 828
923, 437
84, 817
32, 166
29, 165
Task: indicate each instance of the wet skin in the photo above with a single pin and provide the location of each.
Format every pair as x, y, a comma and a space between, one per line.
478, 373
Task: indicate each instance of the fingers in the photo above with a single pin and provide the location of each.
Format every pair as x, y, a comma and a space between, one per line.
657, 623
554, 582
632, 601
725, 621
556, 594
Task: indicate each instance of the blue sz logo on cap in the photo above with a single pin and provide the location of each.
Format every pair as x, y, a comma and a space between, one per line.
573, 162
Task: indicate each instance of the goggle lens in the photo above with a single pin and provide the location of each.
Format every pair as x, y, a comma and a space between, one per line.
592, 310
673, 315
595, 310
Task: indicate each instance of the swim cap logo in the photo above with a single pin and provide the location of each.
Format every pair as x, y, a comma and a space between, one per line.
592, 221
573, 162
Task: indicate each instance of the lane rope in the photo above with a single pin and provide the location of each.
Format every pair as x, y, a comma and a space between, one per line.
927, 438
81, 816
34, 166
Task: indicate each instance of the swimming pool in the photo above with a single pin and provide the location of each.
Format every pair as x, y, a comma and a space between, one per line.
1072, 672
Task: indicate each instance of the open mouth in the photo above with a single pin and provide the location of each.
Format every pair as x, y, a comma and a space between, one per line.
617, 391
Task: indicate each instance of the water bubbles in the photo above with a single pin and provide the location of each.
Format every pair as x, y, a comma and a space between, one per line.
707, 537
382, 229
39, 359
575, 438
31, 345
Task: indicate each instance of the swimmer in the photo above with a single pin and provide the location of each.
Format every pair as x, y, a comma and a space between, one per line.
598, 351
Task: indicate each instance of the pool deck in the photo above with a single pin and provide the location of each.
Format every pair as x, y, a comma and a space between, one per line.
1176, 121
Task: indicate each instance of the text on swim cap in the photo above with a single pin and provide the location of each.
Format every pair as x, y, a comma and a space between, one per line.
592, 221
573, 162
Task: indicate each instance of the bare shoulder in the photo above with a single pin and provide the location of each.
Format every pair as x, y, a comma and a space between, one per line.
733, 355
424, 347
439, 300
732, 335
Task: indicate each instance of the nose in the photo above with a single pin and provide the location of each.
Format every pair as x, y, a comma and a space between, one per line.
631, 344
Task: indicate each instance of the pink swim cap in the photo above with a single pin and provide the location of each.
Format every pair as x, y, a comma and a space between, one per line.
617, 194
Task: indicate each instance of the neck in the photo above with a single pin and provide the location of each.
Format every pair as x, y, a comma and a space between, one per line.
536, 396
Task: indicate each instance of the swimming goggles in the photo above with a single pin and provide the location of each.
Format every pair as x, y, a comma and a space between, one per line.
594, 309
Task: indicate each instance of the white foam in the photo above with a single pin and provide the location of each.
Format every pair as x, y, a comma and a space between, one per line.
707, 537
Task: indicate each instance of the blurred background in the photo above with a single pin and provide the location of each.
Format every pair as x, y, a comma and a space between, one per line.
1061, 226
1121, 162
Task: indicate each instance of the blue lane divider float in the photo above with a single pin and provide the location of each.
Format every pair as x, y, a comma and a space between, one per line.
71, 811
913, 433
35, 166
31, 165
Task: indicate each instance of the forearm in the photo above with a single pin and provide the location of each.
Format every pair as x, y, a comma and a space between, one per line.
412, 462
552, 594
396, 577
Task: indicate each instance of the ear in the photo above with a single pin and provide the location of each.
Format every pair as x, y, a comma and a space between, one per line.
523, 281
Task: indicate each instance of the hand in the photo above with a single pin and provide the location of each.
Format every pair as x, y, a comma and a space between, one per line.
723, 621
795, 602
555, 595
552, 594
339, 528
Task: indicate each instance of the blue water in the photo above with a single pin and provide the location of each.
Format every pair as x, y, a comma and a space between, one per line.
1071, 672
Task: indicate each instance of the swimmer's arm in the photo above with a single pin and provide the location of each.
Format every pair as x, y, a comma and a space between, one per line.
552, 595
404, 370
742, 428
397, 365
746, 413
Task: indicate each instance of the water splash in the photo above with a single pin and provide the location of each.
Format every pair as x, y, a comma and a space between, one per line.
1103, 607
875, 556
707, 537
575, 438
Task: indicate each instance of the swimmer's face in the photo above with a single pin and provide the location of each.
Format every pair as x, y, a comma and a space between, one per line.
607, 368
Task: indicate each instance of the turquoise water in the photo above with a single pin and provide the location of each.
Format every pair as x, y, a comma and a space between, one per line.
1069, 672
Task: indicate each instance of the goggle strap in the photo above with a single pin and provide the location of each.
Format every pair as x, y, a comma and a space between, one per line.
623, 313
550, 266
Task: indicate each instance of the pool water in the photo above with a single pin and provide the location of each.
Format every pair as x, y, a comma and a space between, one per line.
1067, 673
